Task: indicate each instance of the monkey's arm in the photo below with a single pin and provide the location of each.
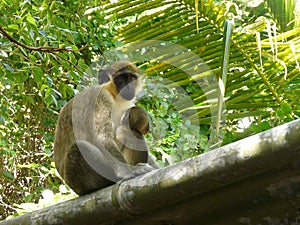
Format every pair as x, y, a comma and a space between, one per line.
102, 162
109, 167
152, 163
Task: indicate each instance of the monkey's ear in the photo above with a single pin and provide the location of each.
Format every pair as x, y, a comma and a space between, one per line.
103, 76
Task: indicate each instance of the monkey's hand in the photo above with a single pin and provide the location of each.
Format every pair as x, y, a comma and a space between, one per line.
142, 168
139, 169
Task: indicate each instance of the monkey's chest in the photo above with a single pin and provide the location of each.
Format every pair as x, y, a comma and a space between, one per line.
118, 113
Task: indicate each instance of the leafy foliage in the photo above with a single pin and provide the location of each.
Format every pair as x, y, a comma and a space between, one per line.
35, 83
173, 137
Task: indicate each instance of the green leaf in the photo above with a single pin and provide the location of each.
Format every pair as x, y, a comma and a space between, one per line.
37, 74
72, 58
74, 47
70, 37
54, 100
286, 109
7, 175
63, 90
20, 77
43, 87
30, 19
32, 57
13, 27
254, 127
265, 125
28, 100
48, 93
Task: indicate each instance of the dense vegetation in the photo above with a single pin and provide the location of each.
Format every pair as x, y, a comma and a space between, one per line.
48, 51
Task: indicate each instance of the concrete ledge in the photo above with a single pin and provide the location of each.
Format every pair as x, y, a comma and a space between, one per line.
253, 181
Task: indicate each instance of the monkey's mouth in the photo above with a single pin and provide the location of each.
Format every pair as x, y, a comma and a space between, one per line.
126, 83
128, 92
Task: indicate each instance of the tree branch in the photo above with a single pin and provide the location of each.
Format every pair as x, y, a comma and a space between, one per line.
39, 49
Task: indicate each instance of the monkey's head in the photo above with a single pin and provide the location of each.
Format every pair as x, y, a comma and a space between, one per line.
122, 77
138, 120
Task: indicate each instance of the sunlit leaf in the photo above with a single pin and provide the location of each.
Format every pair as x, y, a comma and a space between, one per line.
30, 19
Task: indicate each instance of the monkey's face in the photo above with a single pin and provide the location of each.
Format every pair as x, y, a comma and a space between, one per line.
126, 84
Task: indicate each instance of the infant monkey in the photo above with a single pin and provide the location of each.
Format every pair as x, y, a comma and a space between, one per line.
135, 119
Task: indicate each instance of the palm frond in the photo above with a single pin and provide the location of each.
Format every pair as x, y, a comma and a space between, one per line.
262, 73
286, 13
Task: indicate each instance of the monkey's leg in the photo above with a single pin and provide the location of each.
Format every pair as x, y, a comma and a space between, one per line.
88, 169
79, 175
108, 166
102, 162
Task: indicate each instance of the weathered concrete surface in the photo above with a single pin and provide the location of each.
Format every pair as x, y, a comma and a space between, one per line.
252, 181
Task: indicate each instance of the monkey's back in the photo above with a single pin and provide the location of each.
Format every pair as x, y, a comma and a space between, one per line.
86, 117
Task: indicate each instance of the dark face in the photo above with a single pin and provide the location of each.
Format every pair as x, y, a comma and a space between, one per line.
126, 82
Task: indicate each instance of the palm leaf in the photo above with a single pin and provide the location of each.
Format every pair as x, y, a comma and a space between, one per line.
286, 13
263, 70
